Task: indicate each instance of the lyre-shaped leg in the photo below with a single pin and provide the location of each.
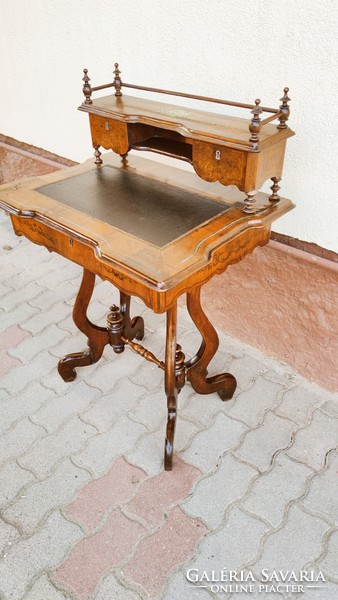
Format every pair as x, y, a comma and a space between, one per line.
97, 336
133, 328
171, 387
225, 383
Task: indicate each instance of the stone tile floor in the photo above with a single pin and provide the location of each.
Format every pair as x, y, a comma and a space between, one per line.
86, 510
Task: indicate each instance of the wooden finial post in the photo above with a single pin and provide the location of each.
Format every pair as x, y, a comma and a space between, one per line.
285, 110
87, 90
117, 80
255, 125
275, 189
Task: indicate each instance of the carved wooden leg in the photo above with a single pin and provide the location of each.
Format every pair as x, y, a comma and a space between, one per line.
98, 337
225, 383
170, 384
132, 327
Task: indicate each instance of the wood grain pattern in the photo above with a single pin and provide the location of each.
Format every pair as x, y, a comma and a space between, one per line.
157, 273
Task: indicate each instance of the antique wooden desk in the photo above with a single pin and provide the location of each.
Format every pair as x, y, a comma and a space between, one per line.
155, 231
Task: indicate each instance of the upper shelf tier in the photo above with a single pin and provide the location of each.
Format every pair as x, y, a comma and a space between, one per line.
190, 123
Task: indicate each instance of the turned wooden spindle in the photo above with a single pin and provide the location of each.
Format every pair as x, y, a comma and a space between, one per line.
115, 327
255, 125
275, 189
249, 201
180, 370
285, 110
97, 154
87, 90
117, 80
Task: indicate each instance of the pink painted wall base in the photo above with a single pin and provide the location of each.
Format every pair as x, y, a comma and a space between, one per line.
284, 302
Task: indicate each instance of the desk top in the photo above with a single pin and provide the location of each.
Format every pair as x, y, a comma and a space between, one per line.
160, 223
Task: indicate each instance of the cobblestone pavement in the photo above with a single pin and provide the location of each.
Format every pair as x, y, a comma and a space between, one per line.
86, 510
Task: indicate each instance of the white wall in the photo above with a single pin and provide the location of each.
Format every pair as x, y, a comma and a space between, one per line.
232, 49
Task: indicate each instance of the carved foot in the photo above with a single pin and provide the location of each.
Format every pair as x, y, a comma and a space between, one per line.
66, 366
98, 337
225, 383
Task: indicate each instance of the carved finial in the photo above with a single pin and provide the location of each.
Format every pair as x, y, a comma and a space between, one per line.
117, 80
255, 125
284, 109
87, 90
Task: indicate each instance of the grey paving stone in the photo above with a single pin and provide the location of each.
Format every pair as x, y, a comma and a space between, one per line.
100, 451
251, 405
122, 401
298, 404
151, 410
18, 439
17, 316
110, 589
260, 445
42, 551
30, 274
8, 535
68, 440
107, 374
148, 375
42, 496
202, 409
44, 590
312, 443
49, 298
68, 271
20, 296
59, 408
330, 407
20, 377
214, 494
296, 543
323, 591
322, 497
23, 404
225, 548
179, 588
46, 317
329, 563
31, 346
75, 342
12, 479
148, 453
246, 369
271, 493
209, 445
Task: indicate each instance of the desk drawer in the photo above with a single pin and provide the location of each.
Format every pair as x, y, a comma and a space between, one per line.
111, 134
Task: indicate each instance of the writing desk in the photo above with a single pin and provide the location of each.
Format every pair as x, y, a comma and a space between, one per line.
153, 231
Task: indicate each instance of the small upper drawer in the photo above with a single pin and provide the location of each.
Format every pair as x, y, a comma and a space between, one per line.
111, 134
214, 162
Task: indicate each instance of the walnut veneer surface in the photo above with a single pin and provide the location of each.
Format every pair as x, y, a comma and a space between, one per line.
153, 230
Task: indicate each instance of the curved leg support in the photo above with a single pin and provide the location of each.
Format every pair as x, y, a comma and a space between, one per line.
225, 383
170, 384
97, 336
133, 328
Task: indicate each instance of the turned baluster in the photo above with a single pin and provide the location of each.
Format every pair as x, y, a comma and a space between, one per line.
285, 110
87, 90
